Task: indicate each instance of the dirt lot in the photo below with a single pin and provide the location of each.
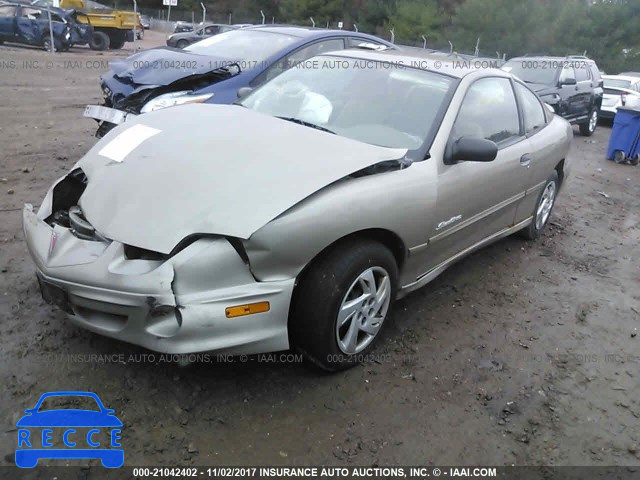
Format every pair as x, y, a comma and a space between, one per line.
524, 353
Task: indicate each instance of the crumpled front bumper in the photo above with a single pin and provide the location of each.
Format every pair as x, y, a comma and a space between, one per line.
172, 306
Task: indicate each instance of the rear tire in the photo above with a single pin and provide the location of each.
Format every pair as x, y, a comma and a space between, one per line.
99, 41
355, 281
543, 208
587, 128
117, 40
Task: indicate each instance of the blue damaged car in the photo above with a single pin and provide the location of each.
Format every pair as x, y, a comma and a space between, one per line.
69, 433
213, 70
29, 24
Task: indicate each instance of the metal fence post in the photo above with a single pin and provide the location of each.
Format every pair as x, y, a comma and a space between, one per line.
53, 46
135, 23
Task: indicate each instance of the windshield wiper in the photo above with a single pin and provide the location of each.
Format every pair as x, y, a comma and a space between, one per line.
306, 124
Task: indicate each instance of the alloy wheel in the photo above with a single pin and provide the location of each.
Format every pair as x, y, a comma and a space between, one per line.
545, 205
593, 121
363, 310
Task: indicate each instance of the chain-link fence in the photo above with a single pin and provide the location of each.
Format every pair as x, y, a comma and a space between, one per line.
164, 20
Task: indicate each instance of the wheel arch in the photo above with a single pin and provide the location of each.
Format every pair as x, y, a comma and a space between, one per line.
559, 168
387, 238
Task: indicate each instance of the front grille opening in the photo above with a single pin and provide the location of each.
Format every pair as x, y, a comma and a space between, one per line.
137, 253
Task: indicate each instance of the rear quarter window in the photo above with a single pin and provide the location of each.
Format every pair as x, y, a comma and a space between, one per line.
535, 117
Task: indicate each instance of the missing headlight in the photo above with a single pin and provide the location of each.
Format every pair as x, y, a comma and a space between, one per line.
66, 195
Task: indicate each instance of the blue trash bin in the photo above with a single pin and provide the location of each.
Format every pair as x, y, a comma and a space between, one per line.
624, 143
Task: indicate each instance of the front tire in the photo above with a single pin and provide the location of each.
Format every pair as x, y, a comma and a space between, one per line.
587, 128
542, 210
341, 303
46, 43
182, 44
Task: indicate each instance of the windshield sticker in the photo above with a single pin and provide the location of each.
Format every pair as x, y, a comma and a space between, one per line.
121, 146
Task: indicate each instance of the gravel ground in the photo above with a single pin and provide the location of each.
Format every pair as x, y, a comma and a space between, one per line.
523, 353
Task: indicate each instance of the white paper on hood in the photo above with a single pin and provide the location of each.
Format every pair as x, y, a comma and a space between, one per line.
121, 146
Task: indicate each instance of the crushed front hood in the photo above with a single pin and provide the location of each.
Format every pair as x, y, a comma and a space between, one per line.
217, 169
163, 65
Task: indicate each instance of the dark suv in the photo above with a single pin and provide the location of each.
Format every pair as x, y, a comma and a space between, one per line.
571, 85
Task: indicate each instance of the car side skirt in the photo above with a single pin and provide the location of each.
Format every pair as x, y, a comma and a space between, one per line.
437, 270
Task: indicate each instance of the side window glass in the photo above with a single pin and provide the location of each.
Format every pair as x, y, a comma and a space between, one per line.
354, 42
488, 111
314, 49
566, 74
7, 11
582, 74
31, 13
298, 57
534, 117
211, 30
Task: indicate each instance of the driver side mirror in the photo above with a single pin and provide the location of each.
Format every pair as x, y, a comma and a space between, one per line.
568, 81
471, 149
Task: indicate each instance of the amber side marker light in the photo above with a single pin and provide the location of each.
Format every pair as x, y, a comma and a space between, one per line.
249, 309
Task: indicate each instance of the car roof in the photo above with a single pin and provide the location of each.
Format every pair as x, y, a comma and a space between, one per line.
454, 65
622, 77
301, 31
72, 393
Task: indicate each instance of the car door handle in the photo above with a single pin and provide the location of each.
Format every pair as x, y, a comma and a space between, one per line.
525, 160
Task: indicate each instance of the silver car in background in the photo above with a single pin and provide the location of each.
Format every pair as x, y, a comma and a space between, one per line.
297, 217
619, 91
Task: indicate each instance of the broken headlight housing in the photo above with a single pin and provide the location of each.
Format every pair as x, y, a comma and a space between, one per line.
174, 98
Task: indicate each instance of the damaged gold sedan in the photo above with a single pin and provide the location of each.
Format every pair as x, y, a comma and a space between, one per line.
297, 217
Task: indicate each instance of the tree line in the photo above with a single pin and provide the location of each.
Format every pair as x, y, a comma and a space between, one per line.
607, 30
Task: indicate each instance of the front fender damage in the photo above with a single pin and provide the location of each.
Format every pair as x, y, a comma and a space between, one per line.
206, 278
282, 248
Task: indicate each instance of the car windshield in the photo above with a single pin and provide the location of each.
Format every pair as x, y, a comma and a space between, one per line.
69, 402
617, 83
532, 71
250, 46
373, 102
